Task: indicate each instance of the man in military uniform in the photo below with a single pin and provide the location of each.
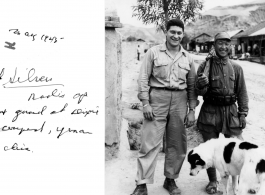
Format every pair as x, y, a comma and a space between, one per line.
166, 89
221, 83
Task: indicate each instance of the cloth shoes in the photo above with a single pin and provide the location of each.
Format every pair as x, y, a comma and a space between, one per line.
171, 187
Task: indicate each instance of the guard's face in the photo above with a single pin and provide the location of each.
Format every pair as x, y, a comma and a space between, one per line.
222, 47
174, 36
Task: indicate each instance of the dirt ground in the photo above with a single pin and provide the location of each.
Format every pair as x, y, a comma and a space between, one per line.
120, 172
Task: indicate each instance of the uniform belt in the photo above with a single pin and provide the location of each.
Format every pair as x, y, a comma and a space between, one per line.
165, 88
220, 100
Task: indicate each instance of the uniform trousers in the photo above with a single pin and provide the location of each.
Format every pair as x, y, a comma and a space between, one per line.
170, 109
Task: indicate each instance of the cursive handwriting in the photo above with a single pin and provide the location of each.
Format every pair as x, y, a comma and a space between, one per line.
85, 112
21, 129
18, 112
63, 109
53, 94
15, 147
29, 79
3, 112
69, 130
80, 96
43, 37
2, 73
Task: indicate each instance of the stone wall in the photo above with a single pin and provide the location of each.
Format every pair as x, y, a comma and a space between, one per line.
113, 88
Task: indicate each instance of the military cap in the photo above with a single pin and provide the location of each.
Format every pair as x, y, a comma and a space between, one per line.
222, 35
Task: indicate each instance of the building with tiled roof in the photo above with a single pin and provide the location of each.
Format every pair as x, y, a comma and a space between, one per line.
252, 40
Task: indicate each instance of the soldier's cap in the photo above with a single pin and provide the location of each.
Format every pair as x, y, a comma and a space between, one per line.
222, 35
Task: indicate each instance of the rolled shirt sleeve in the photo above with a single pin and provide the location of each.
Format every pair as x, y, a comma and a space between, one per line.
192, 96
144, 75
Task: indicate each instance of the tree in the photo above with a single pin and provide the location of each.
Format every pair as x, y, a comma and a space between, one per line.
158, 12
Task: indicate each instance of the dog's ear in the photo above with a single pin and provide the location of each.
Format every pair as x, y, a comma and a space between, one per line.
190, 153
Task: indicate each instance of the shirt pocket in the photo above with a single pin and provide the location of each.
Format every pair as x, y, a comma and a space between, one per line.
183, 70
234, 119
207, 115
160, 68
215, 82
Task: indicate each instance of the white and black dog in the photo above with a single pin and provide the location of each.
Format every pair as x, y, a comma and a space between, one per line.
228, 156
252, 174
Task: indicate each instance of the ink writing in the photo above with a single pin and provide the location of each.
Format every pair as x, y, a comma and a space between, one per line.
63, 109
85, 112
16, 147
69, 130
33, 36
54, 93
80, 97
29, 78
21, 129
18, 112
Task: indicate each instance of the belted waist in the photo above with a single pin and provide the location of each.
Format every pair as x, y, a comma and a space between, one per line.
220, 100
166, 88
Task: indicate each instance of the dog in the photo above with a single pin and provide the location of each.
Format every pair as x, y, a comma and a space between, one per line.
227, 155
253, 173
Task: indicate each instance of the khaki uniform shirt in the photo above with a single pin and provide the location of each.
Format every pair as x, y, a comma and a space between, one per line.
161, 69
226, 78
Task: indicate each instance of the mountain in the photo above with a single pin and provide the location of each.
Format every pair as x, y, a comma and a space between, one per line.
217, 19
146, 34
227, 18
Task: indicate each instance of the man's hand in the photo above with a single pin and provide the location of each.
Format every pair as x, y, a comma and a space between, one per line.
189, 119
242, 121
148, 112
202, 81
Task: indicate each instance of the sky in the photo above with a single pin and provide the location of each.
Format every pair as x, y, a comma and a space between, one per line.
124, 10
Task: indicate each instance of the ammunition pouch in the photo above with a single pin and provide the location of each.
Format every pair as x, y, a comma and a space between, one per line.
220, 100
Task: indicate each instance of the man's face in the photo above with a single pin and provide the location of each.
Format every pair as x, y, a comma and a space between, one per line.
222, 47
174, 36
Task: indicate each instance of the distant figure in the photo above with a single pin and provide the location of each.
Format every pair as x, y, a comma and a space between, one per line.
138, 53
256, 49
239, 49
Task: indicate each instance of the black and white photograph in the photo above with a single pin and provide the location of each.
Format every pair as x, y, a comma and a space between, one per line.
184, 97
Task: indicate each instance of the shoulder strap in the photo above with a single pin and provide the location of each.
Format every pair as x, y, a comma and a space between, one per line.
230, 62
207, 67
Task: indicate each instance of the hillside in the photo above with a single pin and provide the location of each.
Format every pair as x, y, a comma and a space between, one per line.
146, 34
225, 18
220, 18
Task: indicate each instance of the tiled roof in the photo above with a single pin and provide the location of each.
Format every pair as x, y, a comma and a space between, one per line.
201, 35
251, 30
259, 32
234, 32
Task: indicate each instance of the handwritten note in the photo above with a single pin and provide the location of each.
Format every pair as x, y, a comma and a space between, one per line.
52, 97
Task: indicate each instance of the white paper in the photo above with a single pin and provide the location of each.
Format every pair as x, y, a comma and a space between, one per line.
59, 50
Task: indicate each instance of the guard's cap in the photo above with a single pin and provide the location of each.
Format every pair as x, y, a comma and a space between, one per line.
222, 35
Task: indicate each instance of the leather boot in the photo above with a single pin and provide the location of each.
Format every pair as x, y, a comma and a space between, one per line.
171, 187
140, 190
